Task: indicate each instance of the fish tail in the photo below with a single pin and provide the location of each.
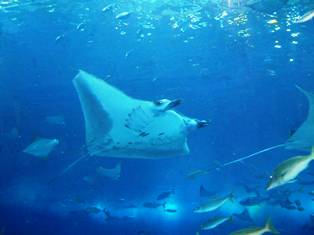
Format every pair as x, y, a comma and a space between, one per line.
270, 227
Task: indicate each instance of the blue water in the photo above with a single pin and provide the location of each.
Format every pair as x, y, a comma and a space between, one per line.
229, 64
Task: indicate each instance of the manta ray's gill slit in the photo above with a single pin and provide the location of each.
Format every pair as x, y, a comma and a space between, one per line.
145, 117
135, 122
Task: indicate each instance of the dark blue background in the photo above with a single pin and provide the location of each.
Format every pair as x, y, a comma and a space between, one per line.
249, 110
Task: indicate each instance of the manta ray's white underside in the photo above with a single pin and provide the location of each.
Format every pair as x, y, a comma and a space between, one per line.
120, 126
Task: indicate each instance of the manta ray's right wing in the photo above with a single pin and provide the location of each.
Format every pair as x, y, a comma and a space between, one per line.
103, 106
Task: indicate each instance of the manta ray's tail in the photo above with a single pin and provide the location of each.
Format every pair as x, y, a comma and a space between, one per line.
71, 165
253, 154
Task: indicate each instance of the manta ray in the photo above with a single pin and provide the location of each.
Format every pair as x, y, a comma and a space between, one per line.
111, 173
117, 125
302, 139
41, 147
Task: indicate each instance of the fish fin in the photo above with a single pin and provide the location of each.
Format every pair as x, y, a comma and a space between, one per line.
270, 227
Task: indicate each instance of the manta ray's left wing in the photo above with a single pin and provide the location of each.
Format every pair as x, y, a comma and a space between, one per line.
104, 106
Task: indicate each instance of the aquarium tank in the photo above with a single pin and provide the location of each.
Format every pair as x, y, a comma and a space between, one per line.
156, 117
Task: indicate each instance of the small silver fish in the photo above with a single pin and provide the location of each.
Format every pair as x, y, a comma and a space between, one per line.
214, 222
107, 8
288, 170
306, 17
59, 38
80, 26
196, 173
213, 204
123, 15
